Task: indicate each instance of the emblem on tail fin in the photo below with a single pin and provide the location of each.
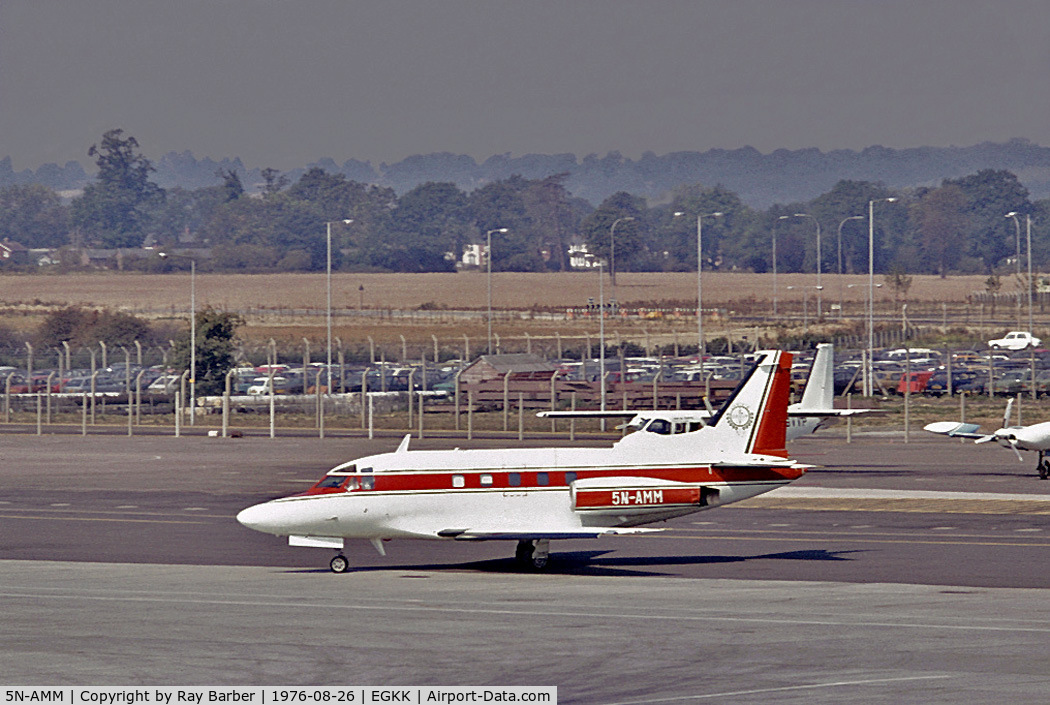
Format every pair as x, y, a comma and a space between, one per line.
740, 417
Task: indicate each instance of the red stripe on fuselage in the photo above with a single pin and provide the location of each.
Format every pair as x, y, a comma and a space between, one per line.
407, 481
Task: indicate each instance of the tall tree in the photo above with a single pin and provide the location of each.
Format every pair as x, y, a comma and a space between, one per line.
216, 331
549, 207
33, 215
113, 210
991, 194
940, 220
625, 243
429, 222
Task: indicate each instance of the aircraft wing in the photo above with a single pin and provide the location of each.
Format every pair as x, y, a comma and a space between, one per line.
956, 430
476, 535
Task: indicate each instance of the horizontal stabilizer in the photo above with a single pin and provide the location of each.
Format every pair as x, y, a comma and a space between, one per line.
589, 414
956, 430
795, 410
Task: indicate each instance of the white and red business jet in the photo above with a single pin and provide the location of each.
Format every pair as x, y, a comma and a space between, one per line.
535, 495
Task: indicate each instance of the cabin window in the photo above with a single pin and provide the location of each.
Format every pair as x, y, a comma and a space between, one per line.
486, 480
458, 481
331, 481
542, 479
514, 479
368, 483
570, 477
366, 470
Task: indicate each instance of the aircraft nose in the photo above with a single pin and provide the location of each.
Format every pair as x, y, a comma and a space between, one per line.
260, 517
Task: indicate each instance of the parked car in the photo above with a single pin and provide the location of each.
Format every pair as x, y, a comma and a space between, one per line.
1015, 340
914, 382
165, 384
261, 385
1012, 382
962, 381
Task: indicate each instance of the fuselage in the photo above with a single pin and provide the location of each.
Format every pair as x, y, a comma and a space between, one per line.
517, 492
1034, 437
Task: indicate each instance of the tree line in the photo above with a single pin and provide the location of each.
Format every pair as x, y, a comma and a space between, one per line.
957, 226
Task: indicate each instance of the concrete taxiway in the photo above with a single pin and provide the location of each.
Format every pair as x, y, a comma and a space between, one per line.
599, 639
891, 573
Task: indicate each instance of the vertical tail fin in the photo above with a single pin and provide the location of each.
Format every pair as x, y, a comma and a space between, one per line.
754, 418
820, 387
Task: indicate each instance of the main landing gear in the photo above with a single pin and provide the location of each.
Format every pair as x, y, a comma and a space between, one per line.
533, 554
1044, 466
339, 564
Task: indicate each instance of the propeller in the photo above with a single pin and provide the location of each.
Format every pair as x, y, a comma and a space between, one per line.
1006, 414
1013, 444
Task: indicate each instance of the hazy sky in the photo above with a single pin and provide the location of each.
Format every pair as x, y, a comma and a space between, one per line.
282, 84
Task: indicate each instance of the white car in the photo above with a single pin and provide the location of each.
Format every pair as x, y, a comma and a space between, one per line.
261, 385
1015, 340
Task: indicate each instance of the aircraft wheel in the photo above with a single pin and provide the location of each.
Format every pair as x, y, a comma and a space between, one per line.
523, 553
339, 564
1044, 471
539, 562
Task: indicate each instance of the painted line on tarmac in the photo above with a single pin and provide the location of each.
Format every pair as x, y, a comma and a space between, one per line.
747, 535
293, 603
783, 689
52, 517
866, 500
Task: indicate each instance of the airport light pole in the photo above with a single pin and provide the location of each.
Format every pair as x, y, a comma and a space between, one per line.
601, 334
869, 368
1028, 230
193, 331
700, 280
783, 217
844, 221
1017, 261
328, 308
820, 287
612, 249
488, 260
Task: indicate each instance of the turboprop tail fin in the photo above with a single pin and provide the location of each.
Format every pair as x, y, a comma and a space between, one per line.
754, 418
819, 393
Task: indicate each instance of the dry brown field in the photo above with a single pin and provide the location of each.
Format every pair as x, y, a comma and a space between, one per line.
464, 290
274, 304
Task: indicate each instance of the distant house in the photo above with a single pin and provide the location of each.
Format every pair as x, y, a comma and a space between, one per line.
580, 257
14, 252
473, 256
517, 366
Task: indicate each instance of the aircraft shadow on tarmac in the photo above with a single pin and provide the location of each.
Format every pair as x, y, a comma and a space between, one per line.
599, 563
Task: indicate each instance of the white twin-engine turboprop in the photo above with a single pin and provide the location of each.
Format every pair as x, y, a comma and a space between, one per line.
534, 495
1035, 437
813, 412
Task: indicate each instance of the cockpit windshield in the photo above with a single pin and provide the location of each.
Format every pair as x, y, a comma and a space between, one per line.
331, 482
